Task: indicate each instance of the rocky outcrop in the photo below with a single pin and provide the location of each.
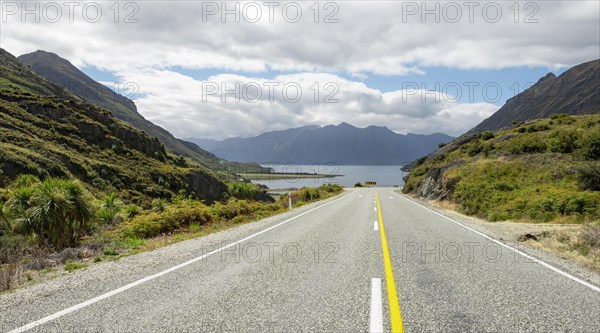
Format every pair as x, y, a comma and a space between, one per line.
435, 185
204, 186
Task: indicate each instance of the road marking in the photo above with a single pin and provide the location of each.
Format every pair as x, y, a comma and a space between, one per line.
375, 226
550, 267
390, 283
375, 208
391, 197
96, 299
376, 322
360, 195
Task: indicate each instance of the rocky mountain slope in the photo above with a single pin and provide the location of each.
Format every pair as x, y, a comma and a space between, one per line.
575, 92
62, 73
46, 130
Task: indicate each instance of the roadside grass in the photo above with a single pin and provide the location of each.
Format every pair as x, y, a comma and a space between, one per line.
580, 244
166, 224
545, 171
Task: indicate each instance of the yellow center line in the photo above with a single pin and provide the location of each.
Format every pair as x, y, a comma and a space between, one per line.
395, 314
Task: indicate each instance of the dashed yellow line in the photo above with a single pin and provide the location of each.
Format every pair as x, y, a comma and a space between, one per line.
395, 314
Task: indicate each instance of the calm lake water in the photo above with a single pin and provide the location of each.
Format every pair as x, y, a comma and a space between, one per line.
383, 175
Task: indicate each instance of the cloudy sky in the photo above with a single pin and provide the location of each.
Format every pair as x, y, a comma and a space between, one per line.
221, 69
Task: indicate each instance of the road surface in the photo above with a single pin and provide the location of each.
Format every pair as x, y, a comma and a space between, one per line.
319, 268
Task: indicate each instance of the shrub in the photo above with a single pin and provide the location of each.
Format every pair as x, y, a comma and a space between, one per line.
589, 177
358, 184
563, 141
590, 145
242, 190
590, 235
159, 205
579, 204
486, 135
170, 219
563, 118
57, 211
132, 211
527, 144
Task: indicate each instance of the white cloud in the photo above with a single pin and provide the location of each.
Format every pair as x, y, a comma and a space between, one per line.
370, 38
192, 108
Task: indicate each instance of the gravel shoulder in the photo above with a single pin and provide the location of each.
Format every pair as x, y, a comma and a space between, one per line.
512, 233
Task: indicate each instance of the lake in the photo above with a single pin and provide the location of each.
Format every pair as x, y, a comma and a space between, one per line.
383, 175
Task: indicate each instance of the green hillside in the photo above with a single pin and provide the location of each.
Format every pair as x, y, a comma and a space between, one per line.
62, 73
47, 131
546, 170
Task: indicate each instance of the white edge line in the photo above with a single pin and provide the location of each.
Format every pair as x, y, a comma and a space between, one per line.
111, 293
376, 314
550, 267
375, 226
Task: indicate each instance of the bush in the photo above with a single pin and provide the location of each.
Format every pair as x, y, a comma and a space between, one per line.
579, 204
589, 177
132, 211
57, 211
563, 142
527, 144
170, 219
242, 190
486, 135
358, 184
590, 145
563, 119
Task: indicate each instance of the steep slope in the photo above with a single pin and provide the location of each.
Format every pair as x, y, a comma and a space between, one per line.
62, 73
341, 144
543, 170
575, 92
47, 131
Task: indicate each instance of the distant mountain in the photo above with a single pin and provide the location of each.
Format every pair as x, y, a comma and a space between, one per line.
46, 130
62, 73
575, 92
341, 144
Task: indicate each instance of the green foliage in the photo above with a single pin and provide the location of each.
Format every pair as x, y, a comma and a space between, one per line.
527, 144
132, 210
358, 184
110, 207
590, 144
72, 266
589, 176
110, 252
159, 205
486, 135
540, 173
242, 190
56, 211
564, 141
170, 219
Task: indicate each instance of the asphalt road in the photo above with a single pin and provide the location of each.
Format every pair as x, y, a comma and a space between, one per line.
319, 268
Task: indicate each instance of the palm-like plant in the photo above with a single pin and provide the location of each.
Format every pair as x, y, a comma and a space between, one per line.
111, 206
56, 211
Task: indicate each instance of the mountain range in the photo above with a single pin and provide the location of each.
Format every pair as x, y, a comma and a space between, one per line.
342, 144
